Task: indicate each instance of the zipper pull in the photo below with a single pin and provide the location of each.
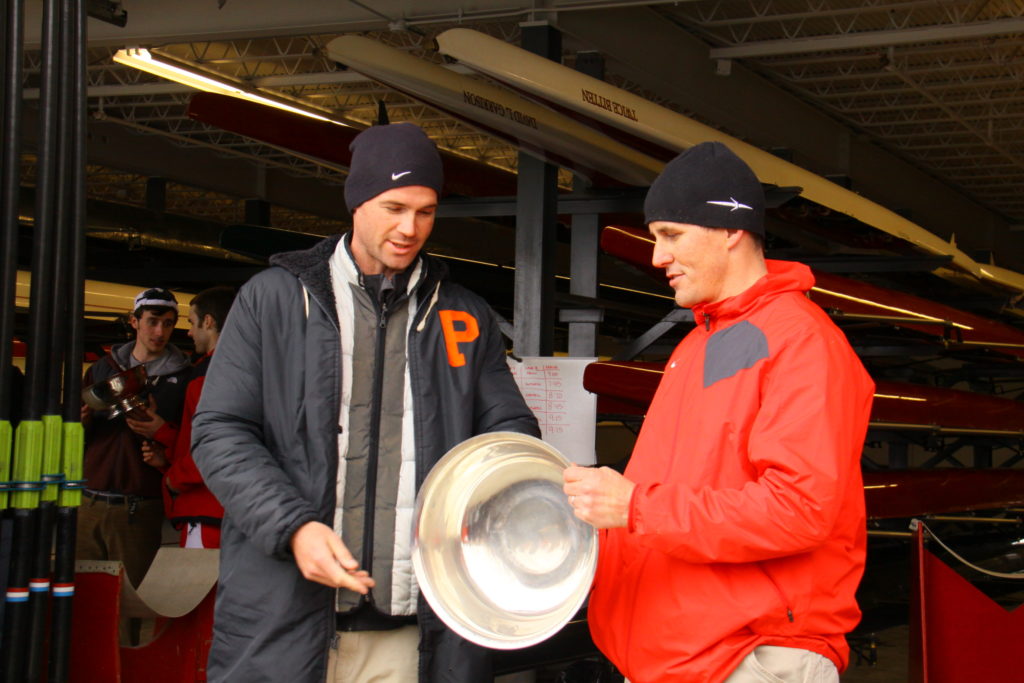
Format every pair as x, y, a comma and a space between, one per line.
383, 315
707, 322
789, 613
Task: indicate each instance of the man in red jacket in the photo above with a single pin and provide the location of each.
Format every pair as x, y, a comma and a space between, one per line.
733, 544
189, 505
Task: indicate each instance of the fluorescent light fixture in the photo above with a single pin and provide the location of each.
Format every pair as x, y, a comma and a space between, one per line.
182, 72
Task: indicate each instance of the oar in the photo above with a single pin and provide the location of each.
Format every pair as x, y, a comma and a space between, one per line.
52, 474
74, 436
21, 641
10, 174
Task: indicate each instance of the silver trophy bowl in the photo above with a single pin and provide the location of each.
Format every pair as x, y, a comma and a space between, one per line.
118, 393
498, 552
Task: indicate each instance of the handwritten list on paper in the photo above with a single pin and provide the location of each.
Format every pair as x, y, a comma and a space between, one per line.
567, 413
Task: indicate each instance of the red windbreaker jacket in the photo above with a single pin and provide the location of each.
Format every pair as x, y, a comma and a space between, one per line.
747, 524
192, 502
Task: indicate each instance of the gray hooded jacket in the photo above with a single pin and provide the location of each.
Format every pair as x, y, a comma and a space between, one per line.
265, 438
113, 452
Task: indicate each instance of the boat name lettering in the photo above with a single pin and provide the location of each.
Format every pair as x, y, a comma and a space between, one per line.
499, 109
605, 103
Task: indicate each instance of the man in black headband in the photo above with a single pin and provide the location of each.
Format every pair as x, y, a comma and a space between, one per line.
122, 511
343, 374
736, 539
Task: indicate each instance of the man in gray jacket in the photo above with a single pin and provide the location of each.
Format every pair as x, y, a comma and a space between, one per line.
122, 511
343, 374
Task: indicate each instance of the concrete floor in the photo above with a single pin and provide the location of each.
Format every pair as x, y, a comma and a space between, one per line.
891, 650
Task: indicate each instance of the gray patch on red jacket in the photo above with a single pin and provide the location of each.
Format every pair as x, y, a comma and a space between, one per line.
733, 349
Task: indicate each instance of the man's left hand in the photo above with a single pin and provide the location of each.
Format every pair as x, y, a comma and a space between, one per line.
598, 496
153, 455
145, 423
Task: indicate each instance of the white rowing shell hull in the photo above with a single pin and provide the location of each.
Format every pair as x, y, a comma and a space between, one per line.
552, 82
532, 127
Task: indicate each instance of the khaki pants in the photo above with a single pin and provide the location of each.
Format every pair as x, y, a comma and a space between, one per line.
106, 531
771, 664
375, 656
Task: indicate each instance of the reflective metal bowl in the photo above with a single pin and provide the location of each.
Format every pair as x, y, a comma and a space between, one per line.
118, 393
498, 552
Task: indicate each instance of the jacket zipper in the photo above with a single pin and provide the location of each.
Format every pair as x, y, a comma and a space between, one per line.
419, 322
374, 446
782, 596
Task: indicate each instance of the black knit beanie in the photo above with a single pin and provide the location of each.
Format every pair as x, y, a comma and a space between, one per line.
386, 157
707, 185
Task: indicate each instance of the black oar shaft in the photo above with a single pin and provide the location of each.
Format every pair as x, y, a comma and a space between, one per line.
21, 632
11, 43
42, 291
67, 512
10, 177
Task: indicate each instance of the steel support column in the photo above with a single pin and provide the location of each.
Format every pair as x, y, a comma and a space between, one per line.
537, 187
586, 233
257, 212
983, 455
586, 230
898, 458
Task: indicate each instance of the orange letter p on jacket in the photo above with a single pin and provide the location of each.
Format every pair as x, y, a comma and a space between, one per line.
453, 337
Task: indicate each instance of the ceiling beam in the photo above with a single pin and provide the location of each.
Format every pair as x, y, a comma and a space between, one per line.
116, 146
871, 39
651, 53
156, 22
168, 87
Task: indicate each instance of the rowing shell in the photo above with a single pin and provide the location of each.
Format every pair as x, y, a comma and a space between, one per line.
534, 128
614, 108
627, 387
853, 299
330, 142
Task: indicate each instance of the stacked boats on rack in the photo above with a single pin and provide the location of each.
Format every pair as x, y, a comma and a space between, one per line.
625, 388
617, 139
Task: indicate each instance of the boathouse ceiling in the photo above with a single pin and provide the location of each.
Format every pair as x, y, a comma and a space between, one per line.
918, 106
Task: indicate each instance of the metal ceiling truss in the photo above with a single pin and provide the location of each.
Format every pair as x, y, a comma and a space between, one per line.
918, 76
939, 84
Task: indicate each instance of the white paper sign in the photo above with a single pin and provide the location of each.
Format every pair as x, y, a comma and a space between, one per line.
553, 389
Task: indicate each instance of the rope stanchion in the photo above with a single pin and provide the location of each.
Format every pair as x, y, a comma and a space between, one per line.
1016, 576
958, 632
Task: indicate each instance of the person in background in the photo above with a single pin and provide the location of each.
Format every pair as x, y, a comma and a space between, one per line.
188, 503
344, 373
121, 515
735, 540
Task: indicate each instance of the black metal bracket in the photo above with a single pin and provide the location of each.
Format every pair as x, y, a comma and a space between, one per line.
656, 332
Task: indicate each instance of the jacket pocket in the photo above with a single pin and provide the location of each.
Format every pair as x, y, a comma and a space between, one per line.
779, 619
